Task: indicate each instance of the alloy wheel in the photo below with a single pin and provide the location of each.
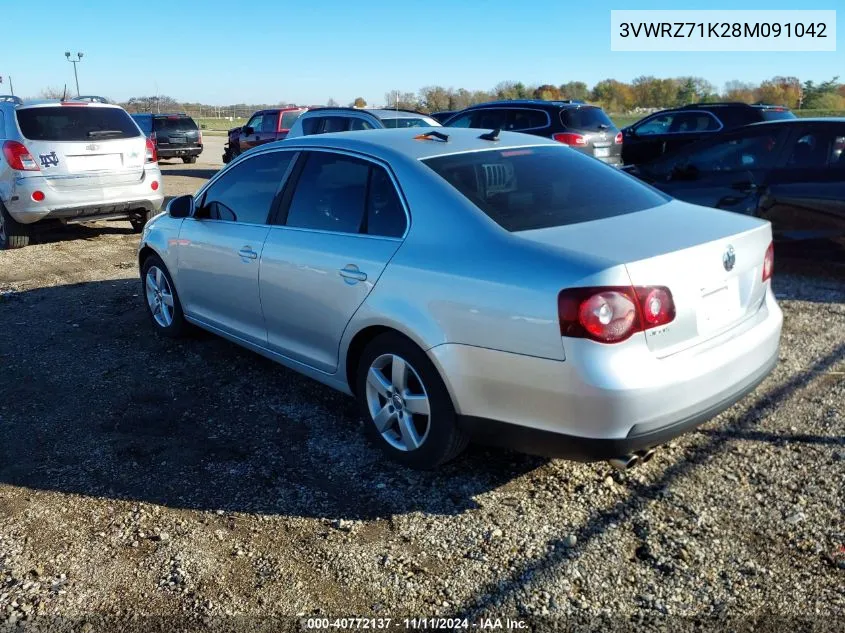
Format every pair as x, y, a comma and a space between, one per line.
398, 402
159, 296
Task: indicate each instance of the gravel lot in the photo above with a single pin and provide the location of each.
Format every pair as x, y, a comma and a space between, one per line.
142, 477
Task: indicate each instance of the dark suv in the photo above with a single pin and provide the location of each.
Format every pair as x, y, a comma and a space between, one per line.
668, 130
583, 127
174, 135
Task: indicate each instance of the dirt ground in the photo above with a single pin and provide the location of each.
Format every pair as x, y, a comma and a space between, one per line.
143, 478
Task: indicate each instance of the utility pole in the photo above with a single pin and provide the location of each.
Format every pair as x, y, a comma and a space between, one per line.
74, 62
11, 87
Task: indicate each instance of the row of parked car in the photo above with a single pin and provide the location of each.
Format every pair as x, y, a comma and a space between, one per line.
755, 159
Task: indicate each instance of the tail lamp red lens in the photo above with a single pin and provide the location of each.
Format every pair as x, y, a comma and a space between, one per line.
38, 196
619, 138
18, 157
611, 314
769, 262
568, 138
152, 154
154, 185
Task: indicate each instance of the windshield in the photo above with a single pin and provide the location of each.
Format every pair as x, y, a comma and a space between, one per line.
406, 122
777, 114
528, 188
75, 123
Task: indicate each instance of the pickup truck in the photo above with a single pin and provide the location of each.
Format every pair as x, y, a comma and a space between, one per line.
265, 126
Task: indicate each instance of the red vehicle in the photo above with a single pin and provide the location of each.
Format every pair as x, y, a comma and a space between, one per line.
265, 126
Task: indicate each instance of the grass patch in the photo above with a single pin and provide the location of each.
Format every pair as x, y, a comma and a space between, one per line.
221, 125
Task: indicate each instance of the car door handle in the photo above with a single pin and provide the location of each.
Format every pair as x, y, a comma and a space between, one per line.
352, 273
745, 186
248, 253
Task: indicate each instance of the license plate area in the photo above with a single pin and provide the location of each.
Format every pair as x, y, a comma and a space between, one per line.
719, 306
601, 152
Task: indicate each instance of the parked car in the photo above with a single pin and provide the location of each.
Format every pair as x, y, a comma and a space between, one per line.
74, 162
90, 99
263, 127
10, 99
325, 120
790, 172
442, 116
462, 284
174, 135
668, 130
585, 128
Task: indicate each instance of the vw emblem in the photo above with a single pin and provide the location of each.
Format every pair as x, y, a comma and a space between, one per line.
729, 258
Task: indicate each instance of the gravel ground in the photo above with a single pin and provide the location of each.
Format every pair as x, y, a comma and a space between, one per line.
154, 482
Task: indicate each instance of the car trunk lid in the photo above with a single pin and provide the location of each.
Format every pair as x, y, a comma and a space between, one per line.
710, 260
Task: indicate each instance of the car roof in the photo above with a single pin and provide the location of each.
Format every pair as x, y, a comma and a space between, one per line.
560, 103
379, 113
46, 103
406, 141
799, 120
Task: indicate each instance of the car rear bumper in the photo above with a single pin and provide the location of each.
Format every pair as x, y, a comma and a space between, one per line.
82, 198
179, 152
586, 410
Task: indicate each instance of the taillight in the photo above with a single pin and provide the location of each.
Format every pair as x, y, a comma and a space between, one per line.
37, 196
619, 138
568, 138
152, 155
612, 314
18, 157
769, 262
199, 138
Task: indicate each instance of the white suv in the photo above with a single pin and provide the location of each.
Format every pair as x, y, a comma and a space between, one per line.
73, 161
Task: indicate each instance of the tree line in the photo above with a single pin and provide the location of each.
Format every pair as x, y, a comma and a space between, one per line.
643, 93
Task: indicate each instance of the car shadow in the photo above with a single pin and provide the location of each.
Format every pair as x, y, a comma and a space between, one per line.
49, 233
95, 403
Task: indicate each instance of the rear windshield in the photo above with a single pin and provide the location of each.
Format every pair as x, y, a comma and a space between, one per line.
75, 123
403, 123
145, 123
528, 188
289, 117
777, 115
175, 124
586, 119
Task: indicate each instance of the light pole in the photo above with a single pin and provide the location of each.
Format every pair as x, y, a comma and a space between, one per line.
74, 62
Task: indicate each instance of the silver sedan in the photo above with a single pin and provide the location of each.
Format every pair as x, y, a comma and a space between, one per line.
466, 284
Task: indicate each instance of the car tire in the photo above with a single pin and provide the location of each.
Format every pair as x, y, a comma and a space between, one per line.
13, 234
404, 431
156, 285
189, 160
139, 222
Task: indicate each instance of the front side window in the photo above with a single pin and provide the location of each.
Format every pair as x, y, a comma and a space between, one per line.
492, 119
75, 123
311, 125
245, 192
755, 150
527, 120
255, 123
406, 122
688, 122
359, 124
817, 148
335, 124
462, 121
656, 125
342, 194
526, 188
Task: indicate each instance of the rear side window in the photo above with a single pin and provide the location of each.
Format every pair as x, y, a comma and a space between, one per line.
174, 124
75, 123
289, 118
405, 123
335, 124
522, 189
585, 119
492, 118
346, 195
526, 120
360, 124
311, 125
686, 122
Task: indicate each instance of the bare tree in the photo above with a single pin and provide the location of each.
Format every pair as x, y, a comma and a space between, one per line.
332, 103
51, 93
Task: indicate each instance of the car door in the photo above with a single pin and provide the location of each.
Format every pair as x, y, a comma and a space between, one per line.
806, 193
254, 126
341, 219
220, 246
665, 132
728, 172
269, 128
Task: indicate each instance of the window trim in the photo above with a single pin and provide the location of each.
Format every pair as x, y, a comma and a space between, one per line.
199, 198
721, 127
279, 218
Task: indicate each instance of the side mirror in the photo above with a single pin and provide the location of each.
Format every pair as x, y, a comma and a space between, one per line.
247, 130
181, 207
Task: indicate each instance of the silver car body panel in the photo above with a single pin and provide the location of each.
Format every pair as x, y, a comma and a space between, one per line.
482, 302
101, 177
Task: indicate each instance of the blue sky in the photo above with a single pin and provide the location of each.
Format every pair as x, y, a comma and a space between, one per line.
267, 51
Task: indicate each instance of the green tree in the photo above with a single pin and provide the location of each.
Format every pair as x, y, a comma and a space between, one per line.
434, 98
359, 103
813, 95
574, 90
547, 92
